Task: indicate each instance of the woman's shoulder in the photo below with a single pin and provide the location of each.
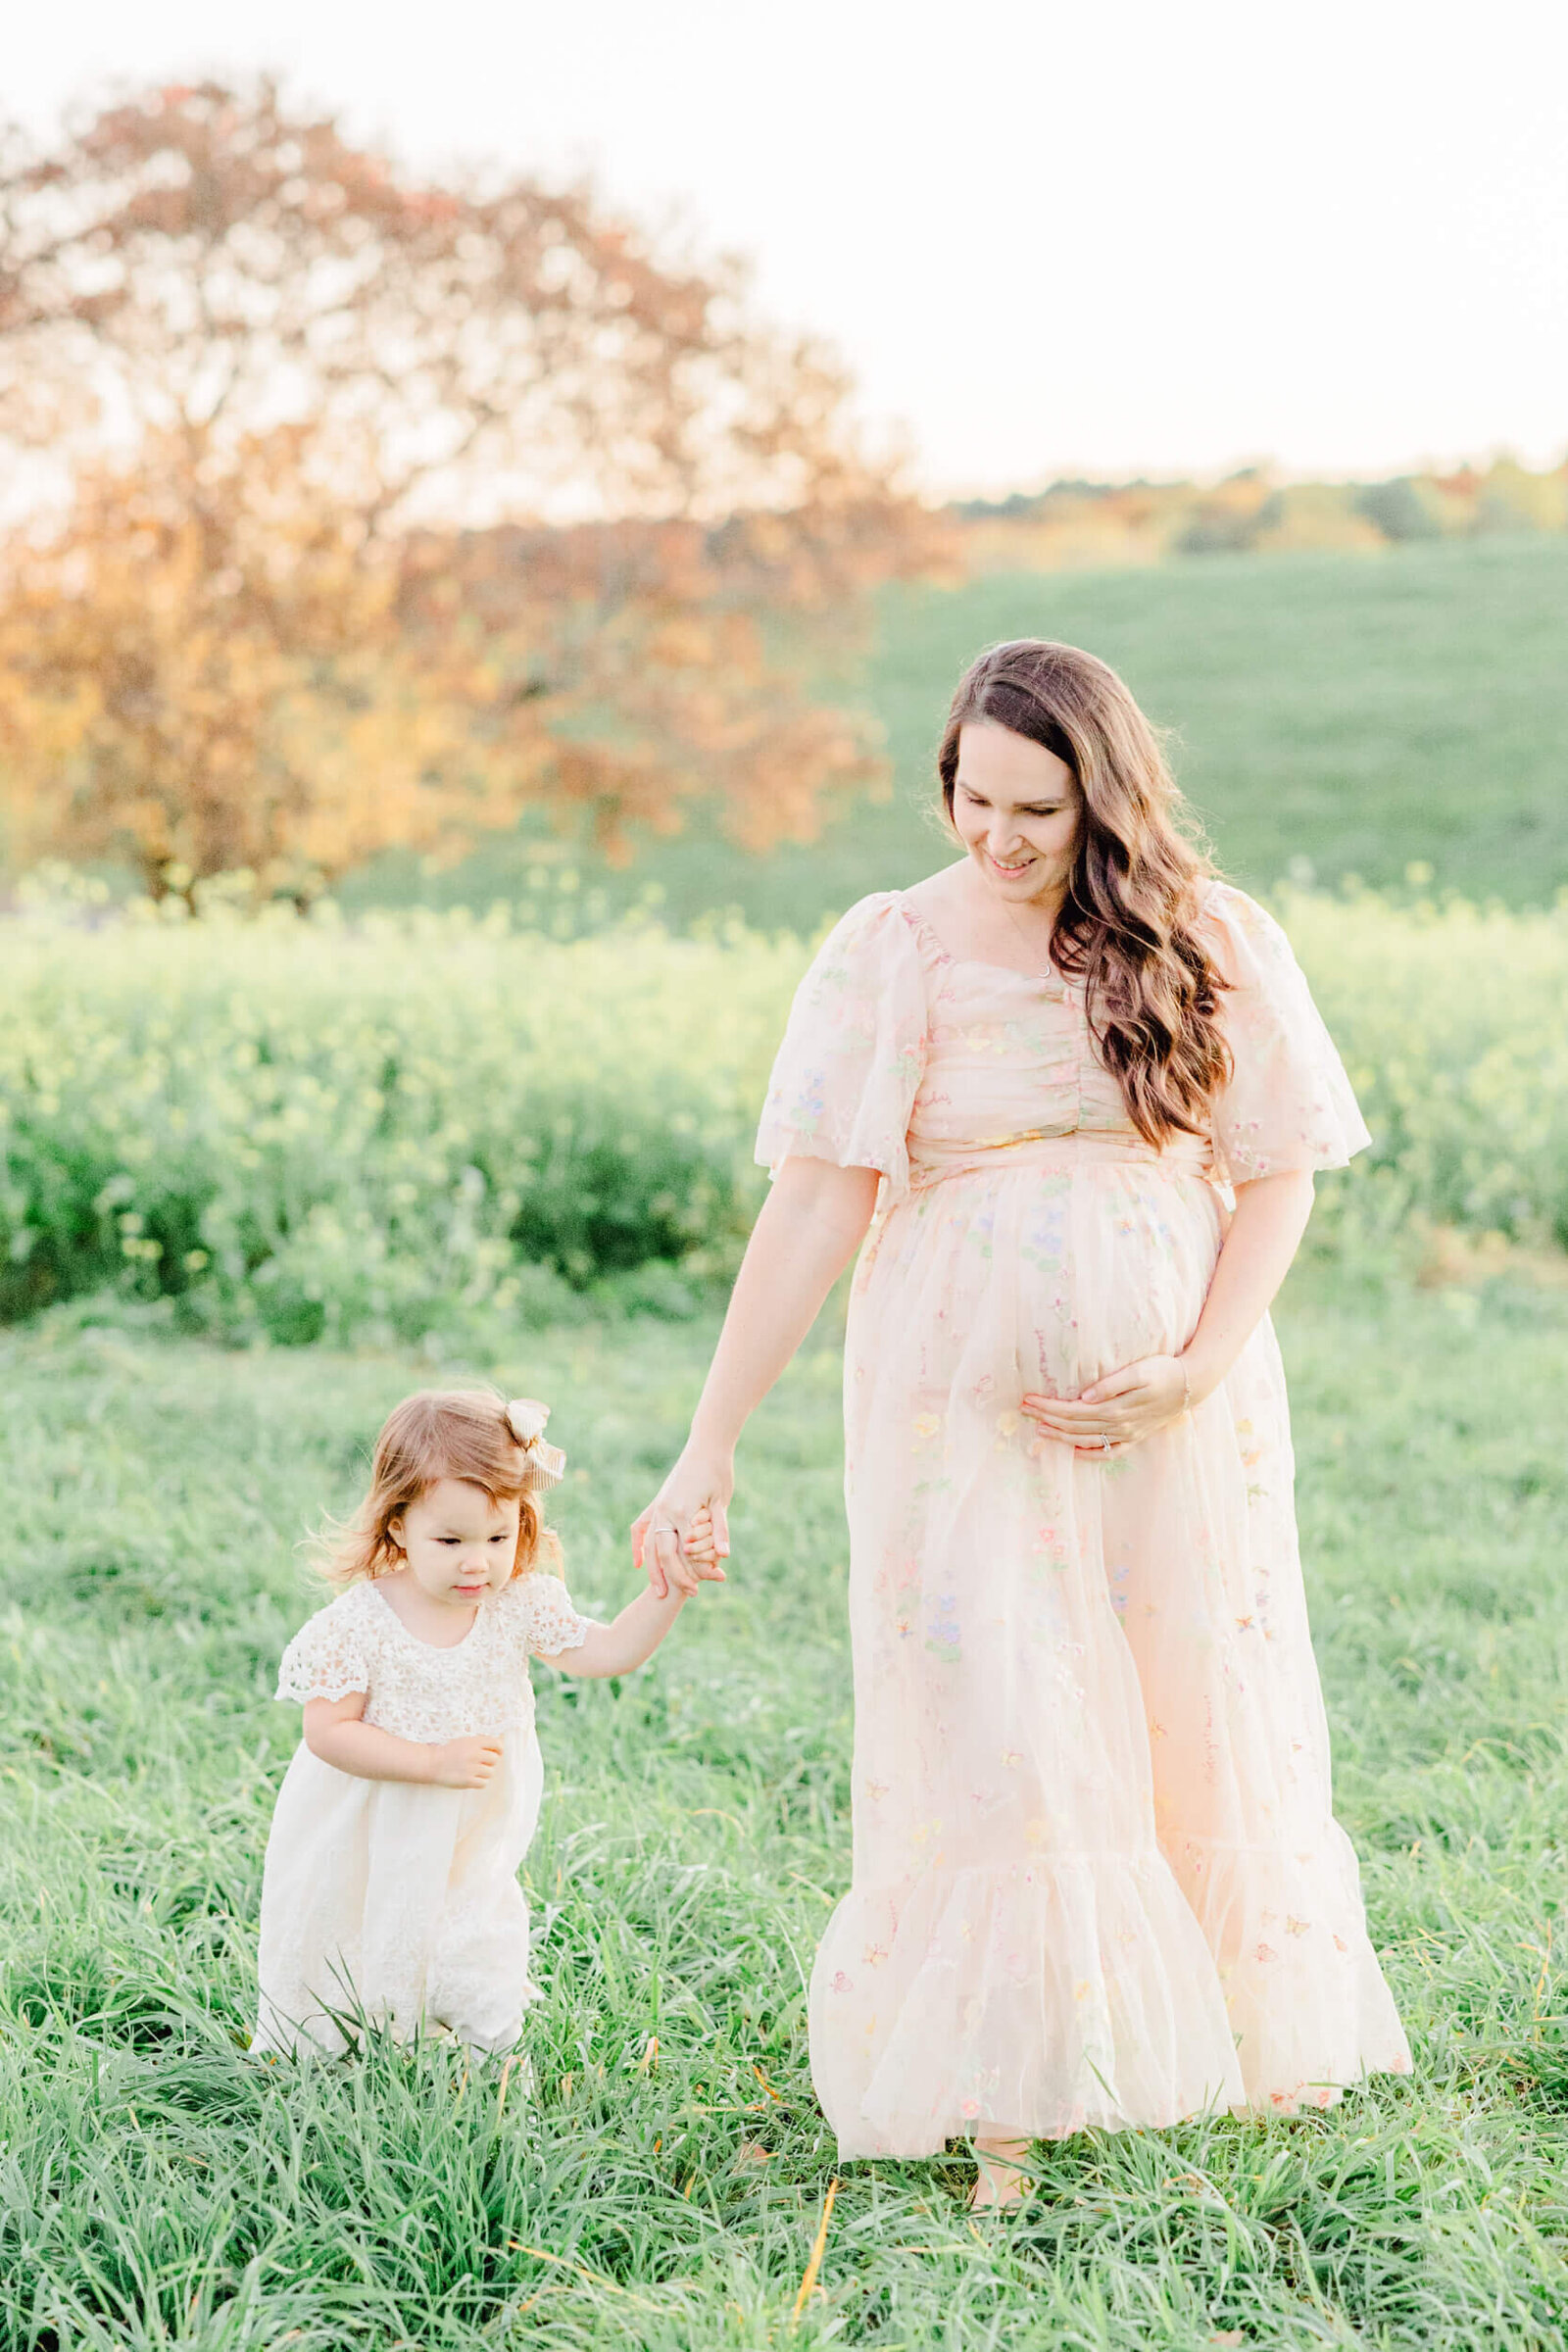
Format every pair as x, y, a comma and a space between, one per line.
930, 908
871, 957
889, 931
882, 919
1240, 931
1226, 902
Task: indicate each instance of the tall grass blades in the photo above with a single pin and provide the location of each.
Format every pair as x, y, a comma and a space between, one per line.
657, 2174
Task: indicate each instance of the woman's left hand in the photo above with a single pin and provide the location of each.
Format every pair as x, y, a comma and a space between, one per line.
1125, 1406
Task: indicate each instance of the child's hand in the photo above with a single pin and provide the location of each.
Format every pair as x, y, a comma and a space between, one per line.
700, 1544
466, 1763
698, 1483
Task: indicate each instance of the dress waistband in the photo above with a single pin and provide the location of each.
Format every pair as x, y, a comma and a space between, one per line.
932, 1162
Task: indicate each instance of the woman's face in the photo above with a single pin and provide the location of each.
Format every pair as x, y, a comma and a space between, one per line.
1018, 810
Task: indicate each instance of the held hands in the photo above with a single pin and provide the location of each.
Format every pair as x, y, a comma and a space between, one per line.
465, 1763
1125, 1406
683, 1536
702, 1544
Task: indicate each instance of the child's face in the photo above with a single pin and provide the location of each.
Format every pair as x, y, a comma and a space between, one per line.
460, 1544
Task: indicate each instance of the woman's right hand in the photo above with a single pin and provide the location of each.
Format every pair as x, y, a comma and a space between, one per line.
659, 1533
465, 1763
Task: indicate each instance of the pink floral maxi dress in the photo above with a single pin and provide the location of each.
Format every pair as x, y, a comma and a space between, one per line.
1096, 1879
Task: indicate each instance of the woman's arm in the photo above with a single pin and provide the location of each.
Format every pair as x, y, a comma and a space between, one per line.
812, 1222
335, 1732
1265, 1229
1265, 1232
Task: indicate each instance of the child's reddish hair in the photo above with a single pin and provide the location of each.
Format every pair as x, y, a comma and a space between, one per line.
440, 1433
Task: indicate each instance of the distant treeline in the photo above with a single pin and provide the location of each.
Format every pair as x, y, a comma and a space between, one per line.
1098, 522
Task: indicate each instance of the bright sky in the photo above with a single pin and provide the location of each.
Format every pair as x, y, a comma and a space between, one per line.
1049, 236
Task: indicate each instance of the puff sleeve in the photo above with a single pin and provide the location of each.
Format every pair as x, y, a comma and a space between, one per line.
843, 1081
330, 1655
1288, 1104
542, 1618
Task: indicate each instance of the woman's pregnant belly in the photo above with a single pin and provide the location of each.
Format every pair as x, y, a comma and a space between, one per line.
1043, 1273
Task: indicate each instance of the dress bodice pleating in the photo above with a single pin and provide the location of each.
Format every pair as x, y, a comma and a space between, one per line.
903, 1057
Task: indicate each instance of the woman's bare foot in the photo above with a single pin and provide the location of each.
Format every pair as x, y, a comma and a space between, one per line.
1000, 2180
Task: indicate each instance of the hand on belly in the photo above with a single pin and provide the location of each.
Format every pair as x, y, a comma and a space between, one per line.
1115, 1412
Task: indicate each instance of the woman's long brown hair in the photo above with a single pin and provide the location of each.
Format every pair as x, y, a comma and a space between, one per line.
1128, 928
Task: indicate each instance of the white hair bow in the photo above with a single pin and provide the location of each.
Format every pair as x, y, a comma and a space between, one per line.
547, 1465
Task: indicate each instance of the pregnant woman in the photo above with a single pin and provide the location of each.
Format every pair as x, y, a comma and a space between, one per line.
1075, 1087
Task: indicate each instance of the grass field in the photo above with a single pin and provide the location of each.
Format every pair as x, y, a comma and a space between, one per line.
1359, 713
664, 2184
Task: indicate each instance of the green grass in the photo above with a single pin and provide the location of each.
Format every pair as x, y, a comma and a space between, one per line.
1359, 713
159, 2190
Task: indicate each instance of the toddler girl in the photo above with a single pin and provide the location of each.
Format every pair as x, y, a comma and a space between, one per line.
390, 1893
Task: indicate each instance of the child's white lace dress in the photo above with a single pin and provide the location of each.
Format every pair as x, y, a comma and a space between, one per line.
393, 1900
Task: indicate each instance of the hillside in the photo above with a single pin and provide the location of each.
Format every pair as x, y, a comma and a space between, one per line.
1359, 713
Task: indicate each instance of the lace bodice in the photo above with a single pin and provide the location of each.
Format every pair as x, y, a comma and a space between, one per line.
417, 1691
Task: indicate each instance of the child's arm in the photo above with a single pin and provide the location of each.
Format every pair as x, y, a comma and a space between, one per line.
616, 1648
635, 1635
335, 1732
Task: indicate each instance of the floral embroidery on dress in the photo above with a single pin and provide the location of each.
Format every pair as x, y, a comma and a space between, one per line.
942, 1634
1050, 1550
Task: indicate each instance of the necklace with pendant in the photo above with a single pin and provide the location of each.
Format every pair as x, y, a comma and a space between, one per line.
1037, 971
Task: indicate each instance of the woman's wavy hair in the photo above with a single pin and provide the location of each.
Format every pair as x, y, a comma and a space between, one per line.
1128, 926
439, 1433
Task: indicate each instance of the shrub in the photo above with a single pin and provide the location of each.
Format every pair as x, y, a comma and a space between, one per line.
292, 1129
298, 1130
1453, 1022
1399, 510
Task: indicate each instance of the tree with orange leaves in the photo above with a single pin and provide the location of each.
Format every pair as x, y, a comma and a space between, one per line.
367, 510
